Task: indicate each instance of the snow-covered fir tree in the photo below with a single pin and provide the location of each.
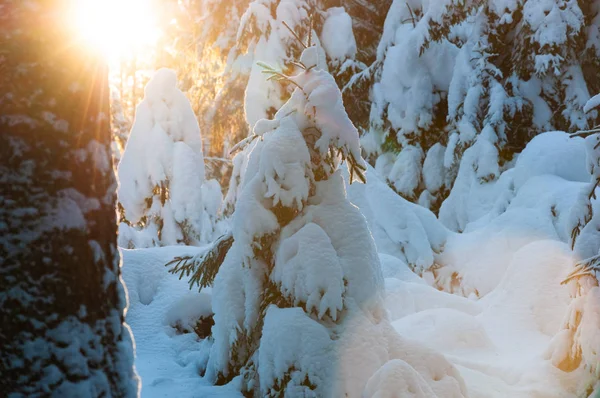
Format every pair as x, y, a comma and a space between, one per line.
285, 228
163, 196
61, 294
225, 120
463, 85
301, 284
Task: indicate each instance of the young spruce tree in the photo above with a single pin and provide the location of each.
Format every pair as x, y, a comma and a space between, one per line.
297, 298
302, 256
163, 196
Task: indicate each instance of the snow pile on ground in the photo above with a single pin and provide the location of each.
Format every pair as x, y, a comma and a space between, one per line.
400, 228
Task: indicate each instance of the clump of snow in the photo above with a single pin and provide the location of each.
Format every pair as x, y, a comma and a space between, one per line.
337, 36
592, 103
296, 347
367, 344
475, 262
552, 153
393, 267
296, 261
397, 379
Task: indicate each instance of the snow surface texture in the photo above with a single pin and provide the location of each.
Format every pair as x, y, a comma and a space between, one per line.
163, 311
161, 173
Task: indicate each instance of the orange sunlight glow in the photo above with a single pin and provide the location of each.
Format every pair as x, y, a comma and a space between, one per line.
118, 28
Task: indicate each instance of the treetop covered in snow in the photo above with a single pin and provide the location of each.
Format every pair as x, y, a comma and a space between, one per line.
162, 189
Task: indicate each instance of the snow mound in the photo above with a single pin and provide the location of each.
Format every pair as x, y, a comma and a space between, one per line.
308, 269
400, 228
552, 153
397, 379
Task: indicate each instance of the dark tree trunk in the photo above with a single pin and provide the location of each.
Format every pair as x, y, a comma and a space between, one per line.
62, 303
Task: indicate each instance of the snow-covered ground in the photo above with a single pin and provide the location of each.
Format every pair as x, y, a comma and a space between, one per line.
498, 343
498, 327
159, 302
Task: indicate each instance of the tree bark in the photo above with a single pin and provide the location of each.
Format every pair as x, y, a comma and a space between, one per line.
62, 301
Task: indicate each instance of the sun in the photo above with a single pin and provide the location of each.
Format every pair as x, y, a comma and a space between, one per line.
118, 28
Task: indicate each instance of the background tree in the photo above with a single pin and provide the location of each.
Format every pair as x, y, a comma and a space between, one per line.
512, 70
62, 301
164, 198
276, 32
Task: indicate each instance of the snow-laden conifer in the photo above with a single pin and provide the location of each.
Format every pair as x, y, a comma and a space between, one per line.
163, 196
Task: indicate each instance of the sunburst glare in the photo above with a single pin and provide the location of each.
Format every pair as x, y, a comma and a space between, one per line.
118, 28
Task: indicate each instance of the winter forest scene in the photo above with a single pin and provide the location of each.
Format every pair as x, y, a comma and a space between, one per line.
300, 198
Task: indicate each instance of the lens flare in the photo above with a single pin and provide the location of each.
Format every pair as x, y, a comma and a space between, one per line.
118, 28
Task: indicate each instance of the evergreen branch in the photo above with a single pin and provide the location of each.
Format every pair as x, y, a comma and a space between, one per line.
356, 168
366, 75
217, 159
310, 28
587, 217
294, 34
412, 16
586, 133
204, 266
584, 268
299, 65
183, 266
278, 76
243, 143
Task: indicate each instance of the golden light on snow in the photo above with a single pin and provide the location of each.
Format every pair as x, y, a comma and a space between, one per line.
118, 28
